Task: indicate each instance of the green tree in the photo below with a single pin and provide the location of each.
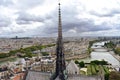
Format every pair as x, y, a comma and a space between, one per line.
44, 53
76, 62
4, 55
28, 54
82, 64
106, 76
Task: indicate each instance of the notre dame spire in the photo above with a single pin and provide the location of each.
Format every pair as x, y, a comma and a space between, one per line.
60, 60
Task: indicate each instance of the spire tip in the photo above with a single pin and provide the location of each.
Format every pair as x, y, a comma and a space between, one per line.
59, 2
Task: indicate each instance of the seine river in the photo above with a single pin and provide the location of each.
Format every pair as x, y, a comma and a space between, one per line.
100, 53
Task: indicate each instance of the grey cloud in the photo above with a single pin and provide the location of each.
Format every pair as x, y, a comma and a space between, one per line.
110, 13
117, 26
21, 4
85, 26
69, 21
20, 22
101, 15
32, 2
6, 2
67, 17
4, 21
115, 11
25, 18
14, 32
79, 26
27, 4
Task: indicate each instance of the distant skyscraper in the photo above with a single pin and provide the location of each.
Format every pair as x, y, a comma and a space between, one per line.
60, 60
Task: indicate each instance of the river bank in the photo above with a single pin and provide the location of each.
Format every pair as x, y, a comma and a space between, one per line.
12, 58
114, 55
80, 56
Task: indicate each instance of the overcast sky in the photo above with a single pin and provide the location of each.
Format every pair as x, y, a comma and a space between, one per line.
27, 18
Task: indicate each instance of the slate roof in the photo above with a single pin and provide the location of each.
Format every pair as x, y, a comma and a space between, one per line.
72, 68
36, 75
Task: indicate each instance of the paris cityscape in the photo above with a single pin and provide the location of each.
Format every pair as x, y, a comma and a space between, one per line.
59, 40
